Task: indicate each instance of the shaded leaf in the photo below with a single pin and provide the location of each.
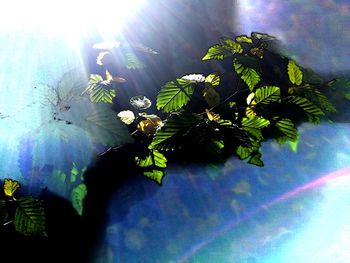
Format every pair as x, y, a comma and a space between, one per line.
174, 95
256, 159
309, 76
248, 69
294, 72
29, 217
316, 97
311, 110
133, 62
293, 145
171, 135
211, 96
254, 125
267, 94
78, 196
243, 152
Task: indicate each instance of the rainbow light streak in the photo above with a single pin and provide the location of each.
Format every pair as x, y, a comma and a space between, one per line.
232, 224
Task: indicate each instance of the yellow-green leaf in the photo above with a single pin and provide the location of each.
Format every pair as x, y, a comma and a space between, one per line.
244, 39
10, 187
213, 79
294, 72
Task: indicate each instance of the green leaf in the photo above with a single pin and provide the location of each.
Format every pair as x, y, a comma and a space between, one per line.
211, 96
155, 175
213, 79
174, 95
105, 126
256, 159
133, 62
172, 134
155, 158
248, 69
254, 125
309, 76
294, 145
267, 94
316, 97
226, 48
243, 152
3, 213
74, 172
286, 126
29, 217
244, 39
311, 110
294, 72
99, 89
77, 197
347, 96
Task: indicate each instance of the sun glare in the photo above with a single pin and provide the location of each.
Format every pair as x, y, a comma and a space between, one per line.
67, 17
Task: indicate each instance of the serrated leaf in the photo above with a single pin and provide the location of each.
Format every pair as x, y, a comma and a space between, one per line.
155, 175
29, 217
213, 79
294, 72
254, 125
133, 62
316, 97
309, 76
171, 135
155, 158
77, 197
244, 39
174, 95
211, 96
267, 94
99, 90
105, 126
256, 159
225, 49
248, 70
310, 109
286, 126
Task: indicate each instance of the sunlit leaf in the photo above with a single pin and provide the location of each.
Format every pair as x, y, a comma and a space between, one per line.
267, 95
126, 116
250, 112
10, 187
155, 175
211, 96
174, 95
294, 72
254, 125
244, 39
150, 124
225, 49
74, 172
213, 79
248, 70
286, 126
212, 116
77, 197
155, 158
99, 90
140, 102
29, 217
114, 79
171, 135
250, 98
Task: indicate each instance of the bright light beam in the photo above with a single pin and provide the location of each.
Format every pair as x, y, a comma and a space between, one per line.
66, 17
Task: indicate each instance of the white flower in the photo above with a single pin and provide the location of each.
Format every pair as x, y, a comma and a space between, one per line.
140, 102
126, 116
196, 78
